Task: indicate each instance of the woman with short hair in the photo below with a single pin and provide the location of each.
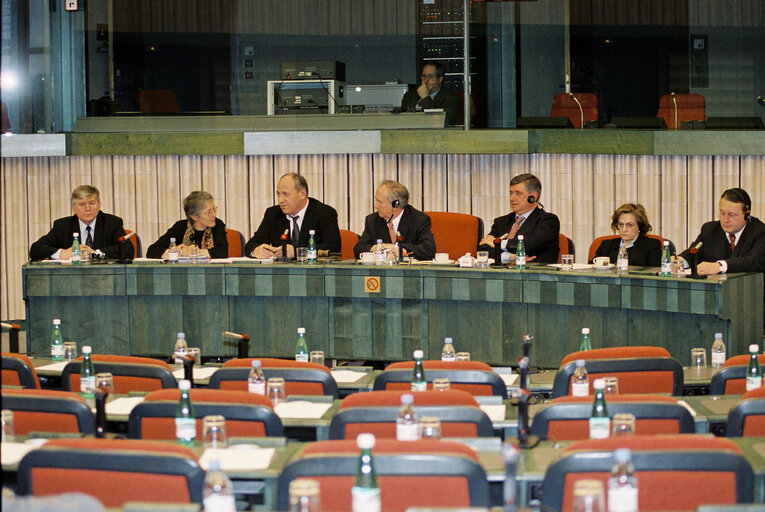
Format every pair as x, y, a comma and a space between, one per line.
630, 222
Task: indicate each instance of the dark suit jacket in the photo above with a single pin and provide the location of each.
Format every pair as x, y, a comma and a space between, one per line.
645, 252
177, 230
445, 99
108, 230
540, 235
749, 254
414, 228
320, 217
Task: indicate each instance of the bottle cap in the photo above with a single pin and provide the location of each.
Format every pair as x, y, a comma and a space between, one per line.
365, 441
418, 354
256, 363
76, 235
585, 330
214, 465
754, 347
666, 243
622, 455
184, 385
580, 363
599, 384
447, 340
56, 321
407, 399
86, 349
718, 335
182, 335
520, 237
301, 330
172, 241
379, 240
311, 231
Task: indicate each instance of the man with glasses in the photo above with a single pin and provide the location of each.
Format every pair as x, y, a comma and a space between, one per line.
431, 94
98, 231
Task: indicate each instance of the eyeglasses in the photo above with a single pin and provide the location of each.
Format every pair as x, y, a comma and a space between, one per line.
628, 225
82, 204
427, 77
210, 211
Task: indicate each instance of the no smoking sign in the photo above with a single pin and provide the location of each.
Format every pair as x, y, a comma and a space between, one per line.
372, 284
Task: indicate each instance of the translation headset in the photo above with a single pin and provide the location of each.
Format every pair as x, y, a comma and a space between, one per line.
532, 199
396, 203
743, 197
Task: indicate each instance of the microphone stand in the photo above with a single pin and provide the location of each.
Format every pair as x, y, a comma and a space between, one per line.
525, 440
242, 343
497, 253
100, 397
528, 339
581, 110
674, 102
284, 245
511, 454
188, 369
13, 336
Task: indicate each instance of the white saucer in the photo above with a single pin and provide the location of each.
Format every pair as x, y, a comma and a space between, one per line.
603, 268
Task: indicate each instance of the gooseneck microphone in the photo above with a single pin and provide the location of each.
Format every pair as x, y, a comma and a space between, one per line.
674, 102
243, 341
581, 110
126, 237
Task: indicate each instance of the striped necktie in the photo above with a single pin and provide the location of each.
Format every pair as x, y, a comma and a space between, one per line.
514, 229
88, 237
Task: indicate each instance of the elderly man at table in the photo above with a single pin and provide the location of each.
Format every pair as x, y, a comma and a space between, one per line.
97, 230
539, 228
296, 214
397, 224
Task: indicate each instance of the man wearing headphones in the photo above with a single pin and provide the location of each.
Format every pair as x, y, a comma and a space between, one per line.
397, 223
735, 243
539, 228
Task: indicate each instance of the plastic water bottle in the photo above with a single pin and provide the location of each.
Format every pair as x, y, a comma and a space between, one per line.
580, 384
76, 251
600, 423
312, 253
418, 373
622, 260
301, 347
520, 254
379, 252
408, 427
218, 494
622, 486
57, 341
585, 344
365, 493
718, 351
87, 373
753, 371
256, 382
666, 261
185, 422
181, 348
448, 353
172, 251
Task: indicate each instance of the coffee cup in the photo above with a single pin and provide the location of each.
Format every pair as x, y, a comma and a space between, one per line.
367, 257
601, 261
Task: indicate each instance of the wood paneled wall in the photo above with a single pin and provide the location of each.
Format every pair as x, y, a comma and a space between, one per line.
680, 193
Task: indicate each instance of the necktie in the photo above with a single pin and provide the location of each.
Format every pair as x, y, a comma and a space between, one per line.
88, 237
732, 242
514, 229
391, 232
295, 230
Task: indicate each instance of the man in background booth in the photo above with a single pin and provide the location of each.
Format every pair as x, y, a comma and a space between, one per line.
431, 94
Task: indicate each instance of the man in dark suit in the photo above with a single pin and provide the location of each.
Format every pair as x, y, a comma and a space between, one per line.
539, 229
735, 243
296, 214
98, 231
397, 224
431, 94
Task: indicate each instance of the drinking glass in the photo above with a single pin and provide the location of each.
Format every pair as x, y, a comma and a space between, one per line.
612, 385
193, 253
463, 356
699, 357
70, 350
589, 496
302, 254
275, 390
441, 384
8, 430
214, 428
482, 259
431, 427
105, 382
567, 262
317, 356
623, 424
196, 353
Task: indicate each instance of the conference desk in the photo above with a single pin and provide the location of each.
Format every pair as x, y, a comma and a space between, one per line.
358, 312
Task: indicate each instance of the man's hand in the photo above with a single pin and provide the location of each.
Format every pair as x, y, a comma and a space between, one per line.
65, 254
422, 90
708, 268
265, 251
487, 240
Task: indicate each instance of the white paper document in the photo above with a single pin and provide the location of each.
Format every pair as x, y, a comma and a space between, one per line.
53, 367
123, 405
12, 453
201, 373
347, 376
237, 459
495, 412
301, 410
509, 378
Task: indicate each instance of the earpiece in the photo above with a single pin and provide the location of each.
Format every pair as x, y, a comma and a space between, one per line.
532, 199
395, 203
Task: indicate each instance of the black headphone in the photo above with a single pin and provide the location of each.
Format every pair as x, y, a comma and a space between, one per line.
395, 203
742, 197
532, 199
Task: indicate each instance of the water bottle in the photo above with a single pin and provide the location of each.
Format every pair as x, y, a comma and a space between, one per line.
172, 252
408, 427
666, 261
256, 382
312, 253
600, 423
622, 260
718, 351
585, 344
301, 347
580, 384
520, 254
379, 252
181, 348
622, 486
365, 493
87, 373
448, 353
753, 371
57, 341
76, 251
418, 373
218, 494
185, 422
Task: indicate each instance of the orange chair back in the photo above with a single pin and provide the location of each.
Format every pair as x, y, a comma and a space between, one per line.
690, 107
27, 421
157, 100
564, 106
290, 387
473, 389
455, 233
421, 398
125, 383
743, 359
596, 243
616, 352
235, 243
348, 240
566, 246
136, 243
11, 377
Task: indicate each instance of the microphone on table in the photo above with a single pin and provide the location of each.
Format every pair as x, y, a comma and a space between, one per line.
188, 367
581, 110
125, 247
243, 342
284, 237
524, 439
692, 262
511, 454
674, 102
13, 336
126, 237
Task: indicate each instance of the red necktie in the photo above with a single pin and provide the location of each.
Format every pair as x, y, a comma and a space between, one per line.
515, 227
391, 232
732, 242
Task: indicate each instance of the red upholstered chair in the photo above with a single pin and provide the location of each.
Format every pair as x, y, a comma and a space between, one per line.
130, 373
747, 418
235, 243
639, 370
136, 241
731, 378
675, 472
299, 378
456, 233
18, 370
564, 106
113, 470
596, 243
376, 411
157, 100
566, 246
48, 410
348, 240
690, 107
247, 414
567, 418
428, 474
475, 377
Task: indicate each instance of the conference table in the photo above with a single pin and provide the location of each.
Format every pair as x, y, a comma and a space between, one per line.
382, 313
